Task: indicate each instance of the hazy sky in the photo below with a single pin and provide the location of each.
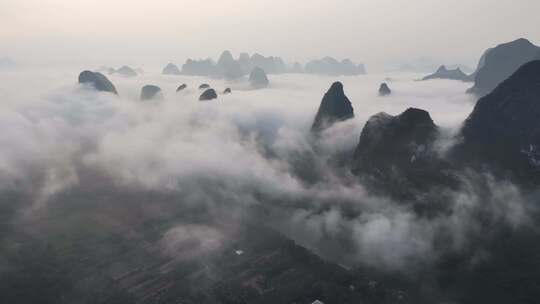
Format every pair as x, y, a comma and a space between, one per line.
372, 31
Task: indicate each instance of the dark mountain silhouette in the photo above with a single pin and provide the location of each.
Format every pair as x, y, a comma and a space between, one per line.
481, 63
396, 155
388, 141
209, 94
151, 92
258, 78
227, 91
444, 73
464, 68
98, 81
181, 87
499, 63
384, 90
504, 126
171, 69
204, 86
335, 107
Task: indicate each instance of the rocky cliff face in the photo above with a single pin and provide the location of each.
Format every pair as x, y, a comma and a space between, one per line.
504, 126
397, 155
388, 141
335, 107
499, 63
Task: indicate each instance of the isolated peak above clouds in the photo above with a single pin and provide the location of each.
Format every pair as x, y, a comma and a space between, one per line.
335, 107
98, 81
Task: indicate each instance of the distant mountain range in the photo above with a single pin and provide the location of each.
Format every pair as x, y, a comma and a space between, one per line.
452, 74
231, 68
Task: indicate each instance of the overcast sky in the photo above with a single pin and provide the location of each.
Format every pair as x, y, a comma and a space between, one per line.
370, 31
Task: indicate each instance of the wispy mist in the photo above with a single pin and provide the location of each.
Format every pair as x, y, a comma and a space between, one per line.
248, 150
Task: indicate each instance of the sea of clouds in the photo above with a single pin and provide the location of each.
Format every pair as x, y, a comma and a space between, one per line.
244, 150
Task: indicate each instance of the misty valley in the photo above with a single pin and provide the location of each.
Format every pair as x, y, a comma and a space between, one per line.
250, 179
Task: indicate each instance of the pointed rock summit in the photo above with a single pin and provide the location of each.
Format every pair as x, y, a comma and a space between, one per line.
444, 73
149, 92
384, 90
98, 81
209, 94
504, 126
335, 107
258, 78
171, 69
501, 62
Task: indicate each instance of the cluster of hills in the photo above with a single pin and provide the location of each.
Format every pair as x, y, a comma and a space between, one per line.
230, 68
115, 256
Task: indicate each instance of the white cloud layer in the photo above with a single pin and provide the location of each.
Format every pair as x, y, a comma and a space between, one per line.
240, 149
